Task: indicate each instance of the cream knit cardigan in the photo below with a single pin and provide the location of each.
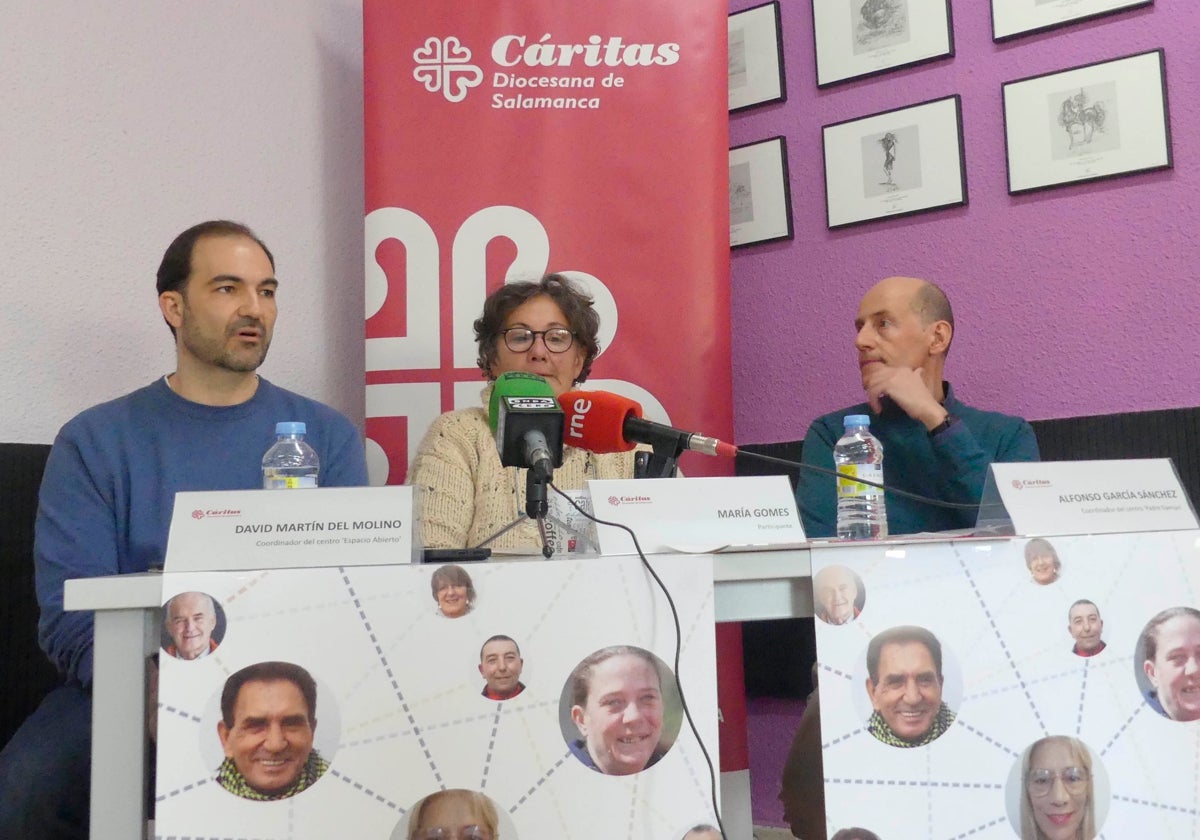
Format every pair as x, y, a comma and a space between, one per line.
468, 495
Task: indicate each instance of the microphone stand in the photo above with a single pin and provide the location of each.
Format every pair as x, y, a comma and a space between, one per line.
537, 506
663, 460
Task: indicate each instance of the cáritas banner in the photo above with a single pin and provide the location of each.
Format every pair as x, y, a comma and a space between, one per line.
506, 140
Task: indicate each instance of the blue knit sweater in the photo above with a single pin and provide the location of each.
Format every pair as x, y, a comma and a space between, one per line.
950, 466
110, 482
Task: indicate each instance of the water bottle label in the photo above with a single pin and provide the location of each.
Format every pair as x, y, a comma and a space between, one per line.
848, 487
289, 482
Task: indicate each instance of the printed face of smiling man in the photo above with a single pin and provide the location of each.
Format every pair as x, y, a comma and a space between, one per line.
1175, 669
190, 620
1085, 626
271, 736
500, 664
621, 720
908, 694
836, 594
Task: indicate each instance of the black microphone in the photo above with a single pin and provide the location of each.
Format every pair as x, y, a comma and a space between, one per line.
527, 422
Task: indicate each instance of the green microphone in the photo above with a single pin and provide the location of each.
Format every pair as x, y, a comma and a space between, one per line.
527, 423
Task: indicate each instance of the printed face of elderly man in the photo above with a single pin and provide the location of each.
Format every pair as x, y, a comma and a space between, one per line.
190, 618
836, 592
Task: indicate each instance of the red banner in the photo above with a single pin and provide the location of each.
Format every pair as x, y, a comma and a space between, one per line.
507, 140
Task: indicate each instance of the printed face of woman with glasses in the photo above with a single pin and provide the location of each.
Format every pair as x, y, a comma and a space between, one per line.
455, 814
537, 338
1058, 802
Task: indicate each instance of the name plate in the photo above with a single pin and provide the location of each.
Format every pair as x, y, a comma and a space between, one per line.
284, 529
696, 515
1092, 497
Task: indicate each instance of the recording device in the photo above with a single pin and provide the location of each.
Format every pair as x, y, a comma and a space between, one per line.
603, 422
455, 555
527, 423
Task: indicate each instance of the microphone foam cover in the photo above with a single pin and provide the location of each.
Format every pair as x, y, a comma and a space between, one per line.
595, 420
515, 383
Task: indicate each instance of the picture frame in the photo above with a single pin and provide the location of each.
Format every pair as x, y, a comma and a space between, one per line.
760, 196
895, 163
1014, 18
756, 57
1065, 127
859, 38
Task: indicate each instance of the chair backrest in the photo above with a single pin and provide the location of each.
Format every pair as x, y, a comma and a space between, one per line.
28, 674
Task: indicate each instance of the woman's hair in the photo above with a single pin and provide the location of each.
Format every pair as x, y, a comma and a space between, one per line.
1039, 547
1156, 623
576, 305
452, 575
482, 810
1029, 827
581, 677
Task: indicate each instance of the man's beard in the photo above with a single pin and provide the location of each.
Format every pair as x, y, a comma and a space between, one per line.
218, 352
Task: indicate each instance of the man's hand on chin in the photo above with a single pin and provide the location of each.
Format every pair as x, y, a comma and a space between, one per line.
907, 388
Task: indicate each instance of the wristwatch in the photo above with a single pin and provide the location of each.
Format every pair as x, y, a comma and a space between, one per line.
943, 426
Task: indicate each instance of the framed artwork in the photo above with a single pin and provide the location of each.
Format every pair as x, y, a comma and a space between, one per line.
895, 163
1013, 18
1085, 123
760, 199
756, 57
857, 38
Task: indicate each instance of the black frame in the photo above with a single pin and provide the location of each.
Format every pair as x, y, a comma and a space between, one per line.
1067, 21
787, 190
949, 53
1166, 121
782, 95
962, 163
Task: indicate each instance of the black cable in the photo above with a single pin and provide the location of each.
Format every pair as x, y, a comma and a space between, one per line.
826, 471
687, 713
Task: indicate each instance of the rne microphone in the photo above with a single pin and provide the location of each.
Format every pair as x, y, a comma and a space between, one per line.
527, 422
602, 422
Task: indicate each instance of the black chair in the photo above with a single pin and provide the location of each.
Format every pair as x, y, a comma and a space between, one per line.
28, 674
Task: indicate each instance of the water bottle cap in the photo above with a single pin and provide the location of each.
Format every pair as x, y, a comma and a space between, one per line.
856, 420
290, 428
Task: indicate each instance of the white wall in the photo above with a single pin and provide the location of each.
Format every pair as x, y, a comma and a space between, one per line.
123, 122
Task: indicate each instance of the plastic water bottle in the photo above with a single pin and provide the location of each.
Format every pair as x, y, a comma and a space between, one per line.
290, 462
861, 514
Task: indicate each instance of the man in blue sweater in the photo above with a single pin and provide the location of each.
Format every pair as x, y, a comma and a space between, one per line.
109, 489
933, 445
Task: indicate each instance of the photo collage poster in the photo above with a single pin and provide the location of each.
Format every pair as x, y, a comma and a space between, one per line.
1067, 700
403, 727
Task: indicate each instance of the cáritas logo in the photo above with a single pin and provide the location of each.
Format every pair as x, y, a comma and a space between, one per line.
445, 65
629, 500
202, 514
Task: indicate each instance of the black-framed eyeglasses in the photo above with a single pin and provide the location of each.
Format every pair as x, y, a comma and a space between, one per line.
520, 339
1040, 782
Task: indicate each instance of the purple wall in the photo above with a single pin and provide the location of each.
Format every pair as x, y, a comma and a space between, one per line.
1072, 301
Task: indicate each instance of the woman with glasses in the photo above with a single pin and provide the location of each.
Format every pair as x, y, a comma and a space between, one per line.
1057, 802
454, 814
548, 327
